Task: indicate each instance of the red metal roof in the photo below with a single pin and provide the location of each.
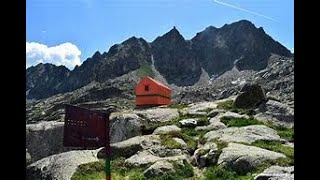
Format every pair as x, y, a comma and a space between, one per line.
157, 82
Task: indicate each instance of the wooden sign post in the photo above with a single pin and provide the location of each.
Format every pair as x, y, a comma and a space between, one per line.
87, 128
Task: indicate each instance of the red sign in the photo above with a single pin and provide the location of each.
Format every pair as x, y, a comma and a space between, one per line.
85, 128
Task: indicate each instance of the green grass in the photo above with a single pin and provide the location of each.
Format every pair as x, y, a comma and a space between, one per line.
223, 173
239, 122
181, 172
278, 147
94, 171
284, 132
228, 105
145, 70
120, 171
169, 142
204, 121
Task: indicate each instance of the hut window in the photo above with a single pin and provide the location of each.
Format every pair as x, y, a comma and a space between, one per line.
146, 87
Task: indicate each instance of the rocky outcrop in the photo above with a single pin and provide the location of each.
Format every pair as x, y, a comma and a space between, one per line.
199, 108
243, 158
219, 49
251, 95
276, 173
278, 79
175, 60
44, 139
206, 155
44, 80
131, 146
121, 59
60, 166
159, 168
158, 114
246, 134
145, 158
212, 126
124, 126
181, 62
277, 113
171, 129
233, 115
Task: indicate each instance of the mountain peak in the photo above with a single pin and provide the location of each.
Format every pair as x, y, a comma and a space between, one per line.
174, 30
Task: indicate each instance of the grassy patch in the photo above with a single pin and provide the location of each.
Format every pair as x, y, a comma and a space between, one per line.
191, 143
94, 171
222, 173
228, 105
169, 142
145, 70
181, 172
204, 121
278, 147
284, 132
119, 171
239, 122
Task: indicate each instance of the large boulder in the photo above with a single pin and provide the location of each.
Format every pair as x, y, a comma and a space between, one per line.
277, 113
243, 158
124, 126
131, 146
158, 114
159, 168
44, 139
60, 166
247, 134
171, 129
251, 95
276, 173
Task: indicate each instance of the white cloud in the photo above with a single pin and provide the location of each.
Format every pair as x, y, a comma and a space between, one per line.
66, 54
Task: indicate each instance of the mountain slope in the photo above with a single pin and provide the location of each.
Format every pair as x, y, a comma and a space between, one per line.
240, 42
179, 61
45, 80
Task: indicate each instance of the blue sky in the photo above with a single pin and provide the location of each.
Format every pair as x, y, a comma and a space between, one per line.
67, 32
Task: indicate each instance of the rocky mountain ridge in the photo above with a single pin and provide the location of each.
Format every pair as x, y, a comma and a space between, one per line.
181, 62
